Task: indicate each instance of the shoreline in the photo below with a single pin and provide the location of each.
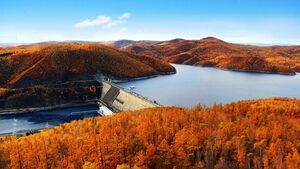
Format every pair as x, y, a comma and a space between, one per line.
247, 71
259, 72
43, 108
142, 78
22, 132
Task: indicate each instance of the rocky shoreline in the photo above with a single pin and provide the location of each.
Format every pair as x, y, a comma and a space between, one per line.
258, 71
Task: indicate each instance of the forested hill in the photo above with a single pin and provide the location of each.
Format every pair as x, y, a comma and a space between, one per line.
247, 134
58, 62
217, 53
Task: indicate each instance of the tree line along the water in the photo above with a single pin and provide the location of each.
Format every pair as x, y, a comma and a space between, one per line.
246, 134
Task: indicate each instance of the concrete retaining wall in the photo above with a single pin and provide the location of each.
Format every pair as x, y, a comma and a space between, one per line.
125, 100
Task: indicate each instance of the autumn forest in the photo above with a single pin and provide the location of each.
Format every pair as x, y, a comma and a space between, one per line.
151, 84
246, 134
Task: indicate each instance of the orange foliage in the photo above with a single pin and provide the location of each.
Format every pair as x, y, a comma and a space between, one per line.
247, 134
3, 91
217, 53
57, 62
38, 96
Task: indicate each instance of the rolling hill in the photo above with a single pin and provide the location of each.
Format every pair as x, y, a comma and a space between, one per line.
213, 52
51, 74
247, 134
47, 63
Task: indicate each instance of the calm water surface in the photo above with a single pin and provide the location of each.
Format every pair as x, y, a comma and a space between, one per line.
192, 85
45, 119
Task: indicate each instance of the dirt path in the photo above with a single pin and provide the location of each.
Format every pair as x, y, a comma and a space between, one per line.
19, 75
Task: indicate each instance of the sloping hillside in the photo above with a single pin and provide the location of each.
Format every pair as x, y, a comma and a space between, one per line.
60, 62
247, 134
48, 96
217, 53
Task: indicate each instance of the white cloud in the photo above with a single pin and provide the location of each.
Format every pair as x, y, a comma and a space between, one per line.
126, 15
104, 21
113, 23
100, 20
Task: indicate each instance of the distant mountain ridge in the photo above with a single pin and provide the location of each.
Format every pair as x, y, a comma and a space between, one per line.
127, 43
214, 52
11, 44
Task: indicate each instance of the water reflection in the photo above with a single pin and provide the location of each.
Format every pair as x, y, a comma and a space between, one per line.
192, 85
45, 119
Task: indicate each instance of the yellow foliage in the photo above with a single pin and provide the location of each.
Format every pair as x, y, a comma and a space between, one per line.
168, 137
89, 165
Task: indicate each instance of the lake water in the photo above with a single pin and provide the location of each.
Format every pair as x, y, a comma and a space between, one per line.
189, 86
45, 119
192, 85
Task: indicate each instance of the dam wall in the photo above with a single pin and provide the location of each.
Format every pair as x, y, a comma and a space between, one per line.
120, 99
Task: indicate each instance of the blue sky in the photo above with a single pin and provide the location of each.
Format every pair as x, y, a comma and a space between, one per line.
240, 21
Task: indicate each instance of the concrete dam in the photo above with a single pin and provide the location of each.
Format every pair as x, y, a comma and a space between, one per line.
119, 99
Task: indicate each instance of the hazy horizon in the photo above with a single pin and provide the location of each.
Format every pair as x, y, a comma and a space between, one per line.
9, 44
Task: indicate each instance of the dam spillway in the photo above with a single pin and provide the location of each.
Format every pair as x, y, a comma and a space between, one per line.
119, 99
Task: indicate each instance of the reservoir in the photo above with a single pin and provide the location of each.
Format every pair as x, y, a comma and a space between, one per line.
11, 123
192, 85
